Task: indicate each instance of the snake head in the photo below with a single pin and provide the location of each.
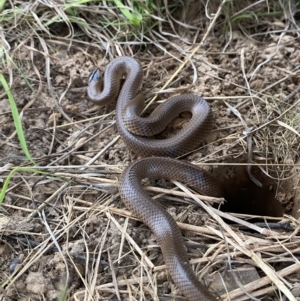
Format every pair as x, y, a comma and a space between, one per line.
95, 75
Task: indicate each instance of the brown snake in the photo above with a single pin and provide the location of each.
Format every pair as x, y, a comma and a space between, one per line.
130, 103
133, 130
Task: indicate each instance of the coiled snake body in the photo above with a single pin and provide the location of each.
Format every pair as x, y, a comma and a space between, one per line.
133, 130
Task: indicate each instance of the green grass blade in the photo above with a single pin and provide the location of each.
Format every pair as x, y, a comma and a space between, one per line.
2, 3
134, 19
6, 182
16, 117
63, 295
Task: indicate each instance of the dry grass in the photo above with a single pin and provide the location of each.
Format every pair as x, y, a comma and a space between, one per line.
74, 210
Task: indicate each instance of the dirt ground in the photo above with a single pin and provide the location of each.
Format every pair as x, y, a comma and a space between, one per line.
64, 131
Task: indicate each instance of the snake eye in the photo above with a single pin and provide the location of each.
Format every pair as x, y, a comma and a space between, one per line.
95, 75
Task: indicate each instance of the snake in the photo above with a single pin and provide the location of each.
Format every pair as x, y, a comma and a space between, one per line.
157, 162
137, 132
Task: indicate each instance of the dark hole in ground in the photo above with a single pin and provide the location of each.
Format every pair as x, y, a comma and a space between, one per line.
245, 197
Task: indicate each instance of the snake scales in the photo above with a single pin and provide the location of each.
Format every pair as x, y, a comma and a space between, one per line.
136, 132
